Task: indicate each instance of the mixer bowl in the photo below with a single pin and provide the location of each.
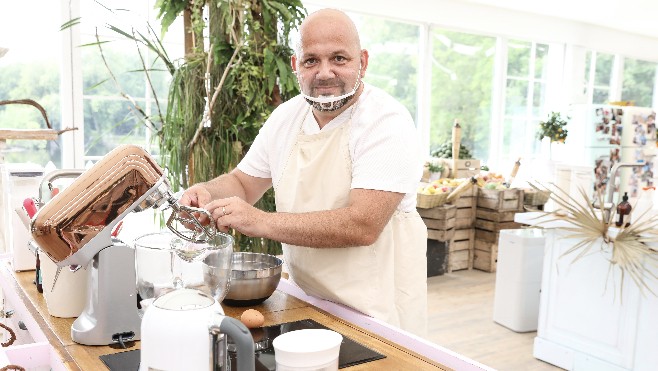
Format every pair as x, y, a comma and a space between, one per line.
254, 277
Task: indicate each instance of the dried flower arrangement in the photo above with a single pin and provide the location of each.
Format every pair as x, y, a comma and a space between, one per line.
629, 246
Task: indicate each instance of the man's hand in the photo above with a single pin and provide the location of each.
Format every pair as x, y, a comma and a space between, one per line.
233, 212
197, 196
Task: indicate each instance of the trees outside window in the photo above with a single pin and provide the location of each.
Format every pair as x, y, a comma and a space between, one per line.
639, 80
462, 67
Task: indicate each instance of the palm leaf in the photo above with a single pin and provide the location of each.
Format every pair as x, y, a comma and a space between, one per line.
631, 254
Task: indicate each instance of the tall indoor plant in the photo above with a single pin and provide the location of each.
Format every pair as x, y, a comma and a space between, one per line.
242, 77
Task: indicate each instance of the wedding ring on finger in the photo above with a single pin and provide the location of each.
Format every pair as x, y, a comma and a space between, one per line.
223, 210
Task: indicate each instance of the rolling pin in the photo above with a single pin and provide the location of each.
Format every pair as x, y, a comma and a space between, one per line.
456, 143
461, 189
515, 170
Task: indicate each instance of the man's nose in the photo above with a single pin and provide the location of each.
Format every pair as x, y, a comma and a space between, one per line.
325, 71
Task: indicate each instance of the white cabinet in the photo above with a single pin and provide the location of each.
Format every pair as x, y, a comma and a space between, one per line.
585, 321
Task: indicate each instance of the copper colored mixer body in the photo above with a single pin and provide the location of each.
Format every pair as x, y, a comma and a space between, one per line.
95, 201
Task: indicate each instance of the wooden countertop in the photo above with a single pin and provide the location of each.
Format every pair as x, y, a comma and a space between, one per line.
279, 308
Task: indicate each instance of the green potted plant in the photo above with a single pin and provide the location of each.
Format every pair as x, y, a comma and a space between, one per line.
553, 128
436, 170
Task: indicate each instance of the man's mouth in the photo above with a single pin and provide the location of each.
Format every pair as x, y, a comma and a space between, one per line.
326, 90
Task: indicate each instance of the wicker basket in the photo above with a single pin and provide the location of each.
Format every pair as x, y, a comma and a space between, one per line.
424, 201
533, 197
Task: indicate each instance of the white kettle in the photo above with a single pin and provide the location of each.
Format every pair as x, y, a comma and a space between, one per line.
184, 330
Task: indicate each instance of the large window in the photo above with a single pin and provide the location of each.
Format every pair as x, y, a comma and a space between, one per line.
462, 76
525, 96
598, 77
29, 69
115, 73
496, 87
394, 51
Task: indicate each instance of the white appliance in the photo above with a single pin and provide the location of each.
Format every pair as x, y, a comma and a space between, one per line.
20, 181
601, 136
518, 278
184, 330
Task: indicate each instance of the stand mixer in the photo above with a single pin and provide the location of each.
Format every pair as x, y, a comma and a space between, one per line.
75, 228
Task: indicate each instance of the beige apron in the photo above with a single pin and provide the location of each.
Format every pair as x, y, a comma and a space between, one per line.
386, 280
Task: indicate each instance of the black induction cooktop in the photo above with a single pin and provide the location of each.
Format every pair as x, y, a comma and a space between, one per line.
351, 352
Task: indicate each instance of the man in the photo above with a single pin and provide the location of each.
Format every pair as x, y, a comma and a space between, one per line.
344, 163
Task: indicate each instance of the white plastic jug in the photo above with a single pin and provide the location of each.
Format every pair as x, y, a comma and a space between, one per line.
66, 299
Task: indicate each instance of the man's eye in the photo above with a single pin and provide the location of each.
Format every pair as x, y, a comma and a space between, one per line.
310, 62
340, 59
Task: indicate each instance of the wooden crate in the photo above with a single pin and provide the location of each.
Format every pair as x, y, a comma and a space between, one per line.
495, 215
485, 260
500, 200
484, 235
487, 232
489, 225
466, 168
458, 260
440, 212
462, 245
440, 234
440, 222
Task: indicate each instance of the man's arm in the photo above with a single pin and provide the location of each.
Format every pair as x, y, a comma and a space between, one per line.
233, 184
358, 224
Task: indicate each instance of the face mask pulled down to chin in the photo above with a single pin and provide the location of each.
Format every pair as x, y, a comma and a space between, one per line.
329, 103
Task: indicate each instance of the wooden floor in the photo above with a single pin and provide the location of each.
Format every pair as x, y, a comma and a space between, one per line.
461, 319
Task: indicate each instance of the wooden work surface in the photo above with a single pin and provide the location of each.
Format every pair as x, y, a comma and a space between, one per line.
279, 308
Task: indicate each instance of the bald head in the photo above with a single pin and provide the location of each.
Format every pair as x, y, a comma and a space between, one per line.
331, 24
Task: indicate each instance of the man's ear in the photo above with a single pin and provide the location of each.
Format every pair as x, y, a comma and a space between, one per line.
293, 63
364, 62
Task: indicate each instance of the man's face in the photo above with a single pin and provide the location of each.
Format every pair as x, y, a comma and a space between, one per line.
329, 63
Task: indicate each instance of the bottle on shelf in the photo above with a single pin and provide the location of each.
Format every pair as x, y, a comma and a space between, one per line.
38, 279
624, 212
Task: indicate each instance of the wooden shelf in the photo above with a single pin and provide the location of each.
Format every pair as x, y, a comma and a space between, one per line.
29, 134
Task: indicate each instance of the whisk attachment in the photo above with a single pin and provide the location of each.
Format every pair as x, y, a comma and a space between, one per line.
188, 217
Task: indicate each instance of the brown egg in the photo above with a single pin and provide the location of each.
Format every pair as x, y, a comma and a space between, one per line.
252, 318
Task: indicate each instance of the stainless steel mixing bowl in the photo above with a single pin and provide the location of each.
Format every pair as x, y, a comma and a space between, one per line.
254, 277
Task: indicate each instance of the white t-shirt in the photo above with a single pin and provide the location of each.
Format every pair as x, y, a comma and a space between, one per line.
383, 144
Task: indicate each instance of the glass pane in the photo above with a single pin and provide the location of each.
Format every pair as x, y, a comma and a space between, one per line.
538, 99
603, 69
516, 97
639, 77
108, 124
393, 64
588, 61
518, 58
601, 95
462, 77
519, 138
29, 69
121, 63
541, 61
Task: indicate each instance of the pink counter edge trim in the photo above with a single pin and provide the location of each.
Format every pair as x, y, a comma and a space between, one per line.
408, 340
